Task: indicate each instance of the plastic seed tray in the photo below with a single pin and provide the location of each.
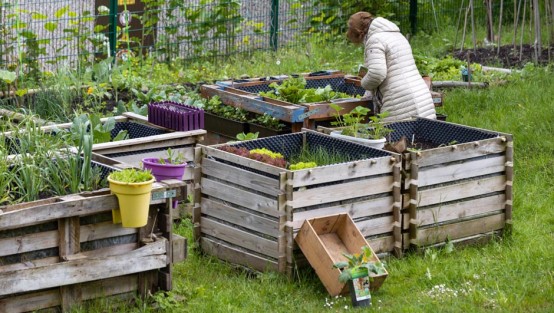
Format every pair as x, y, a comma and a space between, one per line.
175, 116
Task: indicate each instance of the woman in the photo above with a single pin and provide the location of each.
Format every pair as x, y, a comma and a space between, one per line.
392, 76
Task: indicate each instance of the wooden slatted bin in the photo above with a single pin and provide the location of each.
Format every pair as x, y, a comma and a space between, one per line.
250, 211
459, 187
58, 252
324, 240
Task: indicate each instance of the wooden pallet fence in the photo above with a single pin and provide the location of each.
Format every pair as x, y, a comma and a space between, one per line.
58, 252
250, 211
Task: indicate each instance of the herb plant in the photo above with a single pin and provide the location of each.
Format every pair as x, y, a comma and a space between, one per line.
173, 157
359, 260
131, 175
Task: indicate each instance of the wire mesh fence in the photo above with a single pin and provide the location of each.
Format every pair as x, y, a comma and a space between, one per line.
39, 34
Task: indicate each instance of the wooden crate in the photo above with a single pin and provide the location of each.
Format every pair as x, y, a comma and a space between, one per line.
250, 211
58, 252
460, 190
324, 240
244, 94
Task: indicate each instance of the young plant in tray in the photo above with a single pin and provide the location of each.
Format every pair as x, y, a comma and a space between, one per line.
294, 90
216, 107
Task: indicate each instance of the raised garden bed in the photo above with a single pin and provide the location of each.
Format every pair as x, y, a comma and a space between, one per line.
250, 211
58, 252
244, 94
457, 182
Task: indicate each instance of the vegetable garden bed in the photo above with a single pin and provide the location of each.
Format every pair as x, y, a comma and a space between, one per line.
250, 211
457, 186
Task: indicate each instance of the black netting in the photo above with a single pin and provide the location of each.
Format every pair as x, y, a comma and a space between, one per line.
136, 130
337, 83
103, 169
437, 132
291, 144
119, 154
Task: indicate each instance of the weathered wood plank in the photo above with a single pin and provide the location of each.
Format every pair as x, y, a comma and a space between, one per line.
150, 142
30, 301
30, 242
240, 217
240, 197
84, 206
236, 256
240, 237
337, 172
241, 177
242, 161
382, 244
325, 111
104, 230
359, 188
460, 151
453, 231
462, 190
376, 226
355, 210
443, 173
108, 287
82, 270
457, 211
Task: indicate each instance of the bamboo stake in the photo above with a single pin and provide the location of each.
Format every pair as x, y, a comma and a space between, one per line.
500, 26
490, 31
538, 39
464, 32
522, 27
516, 21
473, 25
458, 23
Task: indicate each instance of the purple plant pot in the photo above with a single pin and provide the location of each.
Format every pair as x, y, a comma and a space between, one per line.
164, 171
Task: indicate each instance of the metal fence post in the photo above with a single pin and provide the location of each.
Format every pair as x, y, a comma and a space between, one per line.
113, 27
274, 29
413, 16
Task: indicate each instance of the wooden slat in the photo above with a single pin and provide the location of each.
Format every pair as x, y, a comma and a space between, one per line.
470, 228
382, 244
240, 197
240, 237
104, 230
467, 169
462, 190
355, 210
460, 151
359, 188
52, 211
72, 272
457, 211
248, 163
108, 287
325, 111
31, 301
241, 177
28, 243
236, 256
337, 172
149, 142
376, 226
240, 217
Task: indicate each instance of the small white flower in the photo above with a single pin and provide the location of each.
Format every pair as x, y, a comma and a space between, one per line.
278, 62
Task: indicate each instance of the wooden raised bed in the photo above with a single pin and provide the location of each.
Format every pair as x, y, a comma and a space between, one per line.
459, 188
250, 211
244, 94
59, 252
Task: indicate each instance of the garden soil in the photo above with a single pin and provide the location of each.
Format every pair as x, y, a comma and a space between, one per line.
507, 57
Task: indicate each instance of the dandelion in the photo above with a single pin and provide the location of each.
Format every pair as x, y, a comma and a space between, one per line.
278, 62
90, 90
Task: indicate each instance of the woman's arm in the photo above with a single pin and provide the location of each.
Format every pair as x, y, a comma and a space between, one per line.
376, 63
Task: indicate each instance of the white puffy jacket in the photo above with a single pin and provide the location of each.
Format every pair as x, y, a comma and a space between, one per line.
392, 76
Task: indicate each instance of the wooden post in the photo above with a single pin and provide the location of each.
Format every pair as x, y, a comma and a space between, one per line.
412, 209
509, 182
196, 209
69, 244
396, 207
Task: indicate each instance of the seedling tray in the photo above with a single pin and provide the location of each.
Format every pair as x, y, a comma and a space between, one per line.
175, 116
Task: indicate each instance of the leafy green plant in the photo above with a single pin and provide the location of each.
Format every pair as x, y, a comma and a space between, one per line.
319, 155
217, 107
267, 121
248, 136
352, 123
294, 90
131, 175
302, 165
172, 157
359, 260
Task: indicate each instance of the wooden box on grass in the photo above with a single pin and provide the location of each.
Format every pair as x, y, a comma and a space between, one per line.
324, 240
59, 252
250, 211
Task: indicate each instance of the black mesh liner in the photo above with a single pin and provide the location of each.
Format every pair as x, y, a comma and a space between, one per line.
291, 144
337, 83
437, 132
115, 155
136, 130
